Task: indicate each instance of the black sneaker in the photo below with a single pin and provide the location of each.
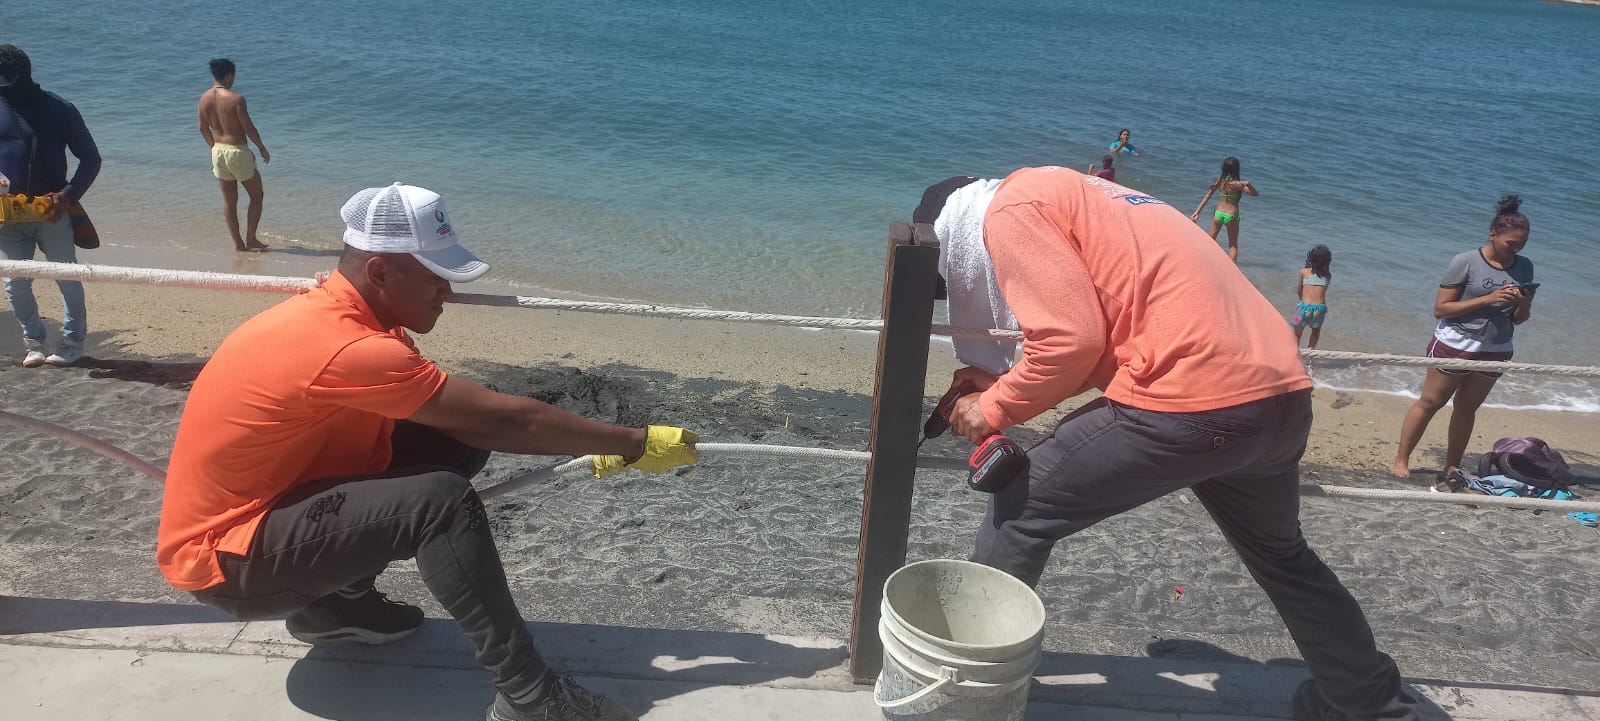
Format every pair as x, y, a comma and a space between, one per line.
1310, 705
370, 618
567, 702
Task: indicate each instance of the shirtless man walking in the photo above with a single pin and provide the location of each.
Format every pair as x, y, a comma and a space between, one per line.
225, 124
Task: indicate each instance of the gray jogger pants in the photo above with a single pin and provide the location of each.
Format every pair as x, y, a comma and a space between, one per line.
1243, 463
341, 533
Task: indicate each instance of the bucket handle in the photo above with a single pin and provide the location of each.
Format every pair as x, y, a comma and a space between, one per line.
947, 677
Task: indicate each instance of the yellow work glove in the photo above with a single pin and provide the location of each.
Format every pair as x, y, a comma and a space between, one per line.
665, 448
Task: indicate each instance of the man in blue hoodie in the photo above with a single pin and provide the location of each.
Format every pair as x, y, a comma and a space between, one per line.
37, 128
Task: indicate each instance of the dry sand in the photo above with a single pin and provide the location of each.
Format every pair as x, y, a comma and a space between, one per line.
769, 545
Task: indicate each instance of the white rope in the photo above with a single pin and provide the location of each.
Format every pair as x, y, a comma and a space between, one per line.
719, 450
153, 276
278, 284
667, 311
1449, 363
1462, 499
535, 476
584, 463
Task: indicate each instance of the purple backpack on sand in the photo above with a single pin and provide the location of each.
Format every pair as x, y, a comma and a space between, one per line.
1528, 460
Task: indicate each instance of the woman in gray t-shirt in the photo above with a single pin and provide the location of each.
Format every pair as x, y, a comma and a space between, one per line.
1484, 295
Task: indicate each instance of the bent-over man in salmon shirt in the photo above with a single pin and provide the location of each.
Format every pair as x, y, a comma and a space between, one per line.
1203, 388
317, 446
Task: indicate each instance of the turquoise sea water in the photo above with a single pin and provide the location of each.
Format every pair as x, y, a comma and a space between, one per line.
751, 156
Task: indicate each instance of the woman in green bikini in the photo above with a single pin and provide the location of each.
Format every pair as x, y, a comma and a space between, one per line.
1230, 187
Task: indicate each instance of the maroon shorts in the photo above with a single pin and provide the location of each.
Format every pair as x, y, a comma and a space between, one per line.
1440, 350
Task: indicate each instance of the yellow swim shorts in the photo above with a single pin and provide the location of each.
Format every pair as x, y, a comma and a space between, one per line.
231, 162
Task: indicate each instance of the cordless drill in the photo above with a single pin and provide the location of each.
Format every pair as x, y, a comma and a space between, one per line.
995, 463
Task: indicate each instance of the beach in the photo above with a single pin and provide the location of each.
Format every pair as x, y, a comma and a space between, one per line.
751, 158
769, 545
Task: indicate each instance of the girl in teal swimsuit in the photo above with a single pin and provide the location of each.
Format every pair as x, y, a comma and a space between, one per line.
1230, 187
1312, 290
1124, 143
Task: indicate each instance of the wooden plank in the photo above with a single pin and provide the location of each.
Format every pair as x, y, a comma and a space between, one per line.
910, 279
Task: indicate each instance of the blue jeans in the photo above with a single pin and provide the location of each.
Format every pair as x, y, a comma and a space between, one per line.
18, 241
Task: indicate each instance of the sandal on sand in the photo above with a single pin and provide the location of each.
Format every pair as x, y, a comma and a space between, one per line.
1455, 482
1591, 520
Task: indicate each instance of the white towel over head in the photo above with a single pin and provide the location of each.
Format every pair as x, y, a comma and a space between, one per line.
974, 292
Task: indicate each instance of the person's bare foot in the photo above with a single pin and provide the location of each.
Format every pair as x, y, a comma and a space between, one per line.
255, 246
1401, 469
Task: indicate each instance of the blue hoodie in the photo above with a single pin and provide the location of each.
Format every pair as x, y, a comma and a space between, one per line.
41, 124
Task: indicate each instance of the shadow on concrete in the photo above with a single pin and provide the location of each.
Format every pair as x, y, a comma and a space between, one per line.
23, 615
433, 675
1188, 677
347, 683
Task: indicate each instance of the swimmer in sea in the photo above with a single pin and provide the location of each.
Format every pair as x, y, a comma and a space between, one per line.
1123, 143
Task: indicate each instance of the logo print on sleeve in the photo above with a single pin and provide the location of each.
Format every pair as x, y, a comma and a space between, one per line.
1114, 191
1143, 200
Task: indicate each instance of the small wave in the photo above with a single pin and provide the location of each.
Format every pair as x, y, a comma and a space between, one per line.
287, 240
1525, 393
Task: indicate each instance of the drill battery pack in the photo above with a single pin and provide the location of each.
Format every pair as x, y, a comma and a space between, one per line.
996, 463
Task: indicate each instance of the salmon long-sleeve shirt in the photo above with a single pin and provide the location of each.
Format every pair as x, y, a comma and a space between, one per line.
1117, 290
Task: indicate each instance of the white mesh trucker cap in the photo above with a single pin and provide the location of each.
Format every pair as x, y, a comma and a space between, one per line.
408, 219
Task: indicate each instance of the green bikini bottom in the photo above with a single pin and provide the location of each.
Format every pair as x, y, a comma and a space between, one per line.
1225, 218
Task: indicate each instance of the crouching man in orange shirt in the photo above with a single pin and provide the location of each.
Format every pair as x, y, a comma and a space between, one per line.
1203, 388
317, 446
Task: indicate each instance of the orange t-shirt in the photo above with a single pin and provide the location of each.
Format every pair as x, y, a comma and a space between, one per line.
305, 390
1119, 291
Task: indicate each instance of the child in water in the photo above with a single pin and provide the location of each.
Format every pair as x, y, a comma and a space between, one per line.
1312, 289
1232, 188
1123, 143
1106, 171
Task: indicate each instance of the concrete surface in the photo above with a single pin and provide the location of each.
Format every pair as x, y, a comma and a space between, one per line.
72, 659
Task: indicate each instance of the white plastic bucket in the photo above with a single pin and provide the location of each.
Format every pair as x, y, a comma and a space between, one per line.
960, 643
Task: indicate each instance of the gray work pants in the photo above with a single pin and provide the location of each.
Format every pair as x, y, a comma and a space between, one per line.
341, 533
1243, 463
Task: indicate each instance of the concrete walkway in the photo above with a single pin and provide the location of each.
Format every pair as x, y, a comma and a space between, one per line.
67, 659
